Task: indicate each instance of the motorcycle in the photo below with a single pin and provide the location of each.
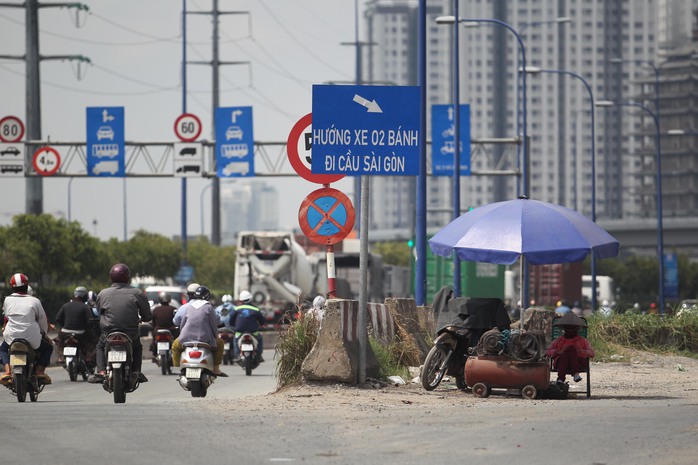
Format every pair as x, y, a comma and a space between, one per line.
119, 378
228, 336
196, 364
163, 339
448, 355
23, 365
74, 358
249, 359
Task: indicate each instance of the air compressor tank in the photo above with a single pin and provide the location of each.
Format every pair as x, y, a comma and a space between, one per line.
484, 372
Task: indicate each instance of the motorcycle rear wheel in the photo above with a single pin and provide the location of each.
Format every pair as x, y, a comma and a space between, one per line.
163, 361
248, 366
197, 389
33, 395
73, 371
119, 387
20, 387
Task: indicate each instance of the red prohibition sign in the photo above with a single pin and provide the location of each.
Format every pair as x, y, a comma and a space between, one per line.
187, 127
326, 216
295, 157
11, 129
46, 161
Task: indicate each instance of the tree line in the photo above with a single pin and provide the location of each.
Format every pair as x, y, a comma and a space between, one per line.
58, 255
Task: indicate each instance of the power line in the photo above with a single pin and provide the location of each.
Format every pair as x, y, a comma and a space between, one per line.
300, 44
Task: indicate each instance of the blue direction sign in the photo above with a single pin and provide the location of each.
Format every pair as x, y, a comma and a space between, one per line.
234, 142
361, 130
105, 151
443, 140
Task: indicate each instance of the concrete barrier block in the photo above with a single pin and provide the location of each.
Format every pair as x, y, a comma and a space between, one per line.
404, 312
335, 355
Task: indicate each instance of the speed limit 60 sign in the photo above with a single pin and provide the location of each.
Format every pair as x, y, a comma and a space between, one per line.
187, 127
11, 129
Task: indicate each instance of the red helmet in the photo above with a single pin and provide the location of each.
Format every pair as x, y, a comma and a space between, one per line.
19, 280
120, 273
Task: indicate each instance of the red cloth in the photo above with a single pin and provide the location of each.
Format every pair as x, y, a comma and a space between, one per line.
570, 354
578, 342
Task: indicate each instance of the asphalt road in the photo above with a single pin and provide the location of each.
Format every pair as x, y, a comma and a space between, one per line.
78, 423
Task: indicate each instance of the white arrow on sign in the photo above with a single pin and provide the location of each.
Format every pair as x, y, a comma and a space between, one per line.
371, 105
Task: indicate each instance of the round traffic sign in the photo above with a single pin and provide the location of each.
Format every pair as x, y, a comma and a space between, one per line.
46, 161
11, 129
298, 148
326, 216
187, 127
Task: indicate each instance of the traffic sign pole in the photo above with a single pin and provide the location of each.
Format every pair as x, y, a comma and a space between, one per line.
331, 273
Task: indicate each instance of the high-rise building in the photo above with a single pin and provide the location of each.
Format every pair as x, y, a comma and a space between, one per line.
613, 45
252, 206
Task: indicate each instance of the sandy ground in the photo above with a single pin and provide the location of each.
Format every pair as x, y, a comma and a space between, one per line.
642, 375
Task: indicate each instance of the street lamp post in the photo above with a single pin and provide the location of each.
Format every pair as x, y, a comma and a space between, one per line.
455, 84
524, 168
534, 70
660, 227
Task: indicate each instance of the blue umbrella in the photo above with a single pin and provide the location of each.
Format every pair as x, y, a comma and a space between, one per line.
542, 232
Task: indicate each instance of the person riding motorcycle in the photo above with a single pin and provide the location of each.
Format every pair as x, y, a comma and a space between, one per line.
200, 324
247, 319
74, 317
120, 307
226, 309
181, 311
163, 314
25, 318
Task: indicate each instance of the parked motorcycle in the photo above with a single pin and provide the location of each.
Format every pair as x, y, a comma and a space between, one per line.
196, 365
163, 339
249, 359
74, 358
119, 378
228, 336
448, 355
23, 365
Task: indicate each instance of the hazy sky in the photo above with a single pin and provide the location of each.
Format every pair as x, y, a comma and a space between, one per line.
136, 52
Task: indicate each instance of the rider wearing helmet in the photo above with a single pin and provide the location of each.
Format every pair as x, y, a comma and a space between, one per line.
200, 324
25, 318
247, 319
122, 308
225, 310
181, 311
74, 318
162, 319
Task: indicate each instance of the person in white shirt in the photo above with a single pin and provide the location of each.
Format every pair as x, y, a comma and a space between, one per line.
25, 319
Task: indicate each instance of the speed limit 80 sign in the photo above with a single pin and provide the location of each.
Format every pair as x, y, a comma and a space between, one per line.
11, 129
187, 127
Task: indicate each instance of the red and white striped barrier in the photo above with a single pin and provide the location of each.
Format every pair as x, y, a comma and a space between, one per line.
382, 322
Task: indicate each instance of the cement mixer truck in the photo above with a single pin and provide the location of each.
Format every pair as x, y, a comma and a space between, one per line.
275, 269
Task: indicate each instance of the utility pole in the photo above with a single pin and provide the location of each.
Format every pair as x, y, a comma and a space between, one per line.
34, 184
215, 63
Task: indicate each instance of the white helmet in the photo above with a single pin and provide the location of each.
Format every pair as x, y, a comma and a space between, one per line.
604, 303
318, 302
191, 289
227, 298
245, 297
